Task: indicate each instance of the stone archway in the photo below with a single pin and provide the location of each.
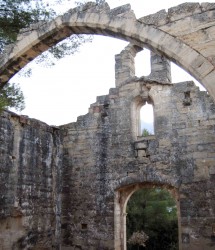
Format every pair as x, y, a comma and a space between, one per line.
184, 35
122, 196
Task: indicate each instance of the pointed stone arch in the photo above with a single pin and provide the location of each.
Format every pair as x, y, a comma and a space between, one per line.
183, 35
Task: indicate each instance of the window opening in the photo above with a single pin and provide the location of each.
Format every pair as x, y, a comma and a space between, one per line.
152, 220
146, 120
142, 63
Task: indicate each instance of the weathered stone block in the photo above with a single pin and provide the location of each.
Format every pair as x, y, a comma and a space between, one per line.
183, 10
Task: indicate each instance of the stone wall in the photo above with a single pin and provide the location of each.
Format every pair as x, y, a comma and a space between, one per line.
67, 187
103, 154
30, 183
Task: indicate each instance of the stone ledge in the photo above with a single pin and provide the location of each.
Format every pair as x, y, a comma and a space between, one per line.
142, 144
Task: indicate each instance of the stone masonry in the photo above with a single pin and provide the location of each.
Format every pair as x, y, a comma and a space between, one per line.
59, 185
67, 187
184, 34
30, 181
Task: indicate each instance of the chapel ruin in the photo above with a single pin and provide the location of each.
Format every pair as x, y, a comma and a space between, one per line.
67, 187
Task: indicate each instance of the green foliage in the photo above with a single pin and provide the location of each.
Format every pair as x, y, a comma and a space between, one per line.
145, 132
19, 14
15, 15
154, 212
11, 97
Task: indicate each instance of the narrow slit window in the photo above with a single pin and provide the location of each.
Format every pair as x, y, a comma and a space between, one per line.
146, 120
142, 63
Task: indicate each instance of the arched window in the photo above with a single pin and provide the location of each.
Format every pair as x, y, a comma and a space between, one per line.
146, 120
142, 116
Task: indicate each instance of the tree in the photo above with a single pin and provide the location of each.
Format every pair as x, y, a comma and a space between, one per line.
11, 97
18, 14
15, 15
153, 211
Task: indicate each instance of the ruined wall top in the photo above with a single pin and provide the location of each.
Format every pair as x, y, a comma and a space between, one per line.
176, 13
125, 67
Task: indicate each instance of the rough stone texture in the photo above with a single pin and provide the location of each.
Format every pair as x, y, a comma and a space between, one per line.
160, 69
125, 67
104, 155
30, 183
67, 187
184, 34
124, 64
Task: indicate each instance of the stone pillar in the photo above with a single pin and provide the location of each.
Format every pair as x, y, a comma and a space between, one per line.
124, 64
160, 68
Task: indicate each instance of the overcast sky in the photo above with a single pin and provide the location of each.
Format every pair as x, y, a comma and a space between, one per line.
58, 95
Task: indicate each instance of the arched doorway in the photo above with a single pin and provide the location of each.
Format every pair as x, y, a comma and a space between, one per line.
122, 197
151, 220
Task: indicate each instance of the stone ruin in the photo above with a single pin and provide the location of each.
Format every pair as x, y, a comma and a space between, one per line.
67, 187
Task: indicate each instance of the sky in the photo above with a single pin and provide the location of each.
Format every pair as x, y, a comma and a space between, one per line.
59, 94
